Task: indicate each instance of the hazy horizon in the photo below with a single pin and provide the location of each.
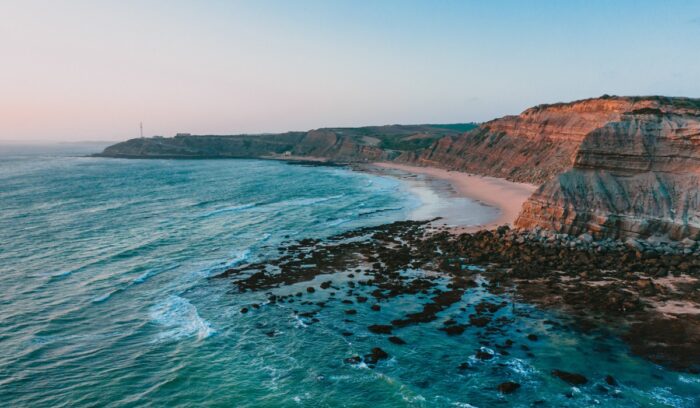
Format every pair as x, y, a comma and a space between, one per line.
83, 71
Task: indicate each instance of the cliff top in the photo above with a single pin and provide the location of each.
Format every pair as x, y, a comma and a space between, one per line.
623, 104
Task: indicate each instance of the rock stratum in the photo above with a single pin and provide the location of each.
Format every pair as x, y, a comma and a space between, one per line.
610, 166
636, 174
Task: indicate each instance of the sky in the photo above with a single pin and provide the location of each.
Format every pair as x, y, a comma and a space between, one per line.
93, 70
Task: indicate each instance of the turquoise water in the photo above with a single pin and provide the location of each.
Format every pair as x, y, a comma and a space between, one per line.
105, 300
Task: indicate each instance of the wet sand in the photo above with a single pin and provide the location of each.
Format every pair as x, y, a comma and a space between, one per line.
505, 196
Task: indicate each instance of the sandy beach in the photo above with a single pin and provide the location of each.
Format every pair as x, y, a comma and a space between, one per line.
506, 196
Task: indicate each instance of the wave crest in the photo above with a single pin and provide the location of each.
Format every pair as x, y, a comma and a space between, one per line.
180, 319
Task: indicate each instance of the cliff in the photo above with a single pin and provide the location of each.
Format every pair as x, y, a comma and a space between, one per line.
635, 175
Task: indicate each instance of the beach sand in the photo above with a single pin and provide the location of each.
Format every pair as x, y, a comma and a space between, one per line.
506, 196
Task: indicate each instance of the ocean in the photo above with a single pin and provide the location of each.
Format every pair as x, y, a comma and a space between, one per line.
106, 298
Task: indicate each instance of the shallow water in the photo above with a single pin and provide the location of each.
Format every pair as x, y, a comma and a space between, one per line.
105, 299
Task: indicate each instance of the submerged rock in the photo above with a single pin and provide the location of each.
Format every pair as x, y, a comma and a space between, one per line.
396, 340
571, 378
375, 356
508, 387
380, 328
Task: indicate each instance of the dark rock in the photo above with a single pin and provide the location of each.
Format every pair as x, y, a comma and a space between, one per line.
454, 330
396, 340
244, 310
376, 308
508, 387
611, 381
351, 312
482, 355
571, 378
375, 355
532, 337
479, 321
380, 328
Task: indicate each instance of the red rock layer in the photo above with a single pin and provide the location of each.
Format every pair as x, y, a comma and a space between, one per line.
636, 175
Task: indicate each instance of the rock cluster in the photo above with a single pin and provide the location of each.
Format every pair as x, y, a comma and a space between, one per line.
633, 287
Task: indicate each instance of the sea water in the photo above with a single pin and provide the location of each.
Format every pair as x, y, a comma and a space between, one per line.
105, 299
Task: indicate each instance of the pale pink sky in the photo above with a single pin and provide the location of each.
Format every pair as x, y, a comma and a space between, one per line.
92, 70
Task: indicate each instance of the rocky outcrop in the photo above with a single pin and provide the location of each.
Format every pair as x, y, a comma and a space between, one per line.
637, 175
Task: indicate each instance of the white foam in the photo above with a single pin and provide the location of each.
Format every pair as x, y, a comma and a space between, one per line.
665, 396
688, 380
521, 367
299, 322
241, 257
180, 319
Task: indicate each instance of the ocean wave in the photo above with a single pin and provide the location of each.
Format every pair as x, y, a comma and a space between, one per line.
180, 319
312, 201
235, 208
336, 222
151, 273
143, 277
61, 274
238, 259
665, 395
104, 297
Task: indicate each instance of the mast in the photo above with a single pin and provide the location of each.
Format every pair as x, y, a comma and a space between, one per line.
141, 128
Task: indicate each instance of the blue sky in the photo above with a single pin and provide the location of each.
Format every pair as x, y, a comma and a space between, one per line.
90, 70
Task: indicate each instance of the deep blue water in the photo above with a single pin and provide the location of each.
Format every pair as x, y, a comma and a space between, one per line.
105, 301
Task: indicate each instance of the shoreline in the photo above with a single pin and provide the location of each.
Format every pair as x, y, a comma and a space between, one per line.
504, 196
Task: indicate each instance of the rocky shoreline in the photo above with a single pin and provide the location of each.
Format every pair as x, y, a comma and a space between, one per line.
646, 292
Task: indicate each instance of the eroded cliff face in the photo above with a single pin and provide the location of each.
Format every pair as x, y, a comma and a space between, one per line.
538, 144
636, 175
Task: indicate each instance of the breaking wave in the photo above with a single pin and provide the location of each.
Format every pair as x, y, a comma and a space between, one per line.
180, 319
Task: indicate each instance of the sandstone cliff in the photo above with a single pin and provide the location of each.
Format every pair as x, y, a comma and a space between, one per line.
635, 174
